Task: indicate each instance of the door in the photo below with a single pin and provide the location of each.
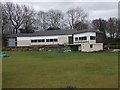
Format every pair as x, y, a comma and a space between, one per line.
79, 48
70, 39
74, 48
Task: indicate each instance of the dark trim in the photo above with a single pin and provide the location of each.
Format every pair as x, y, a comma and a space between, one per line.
15, 42
99, 38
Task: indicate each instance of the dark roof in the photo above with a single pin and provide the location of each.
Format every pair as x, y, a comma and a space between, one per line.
52, 32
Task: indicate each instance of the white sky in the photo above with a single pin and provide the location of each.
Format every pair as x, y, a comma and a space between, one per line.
94, 8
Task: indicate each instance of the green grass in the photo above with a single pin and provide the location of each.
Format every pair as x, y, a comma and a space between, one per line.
33, 69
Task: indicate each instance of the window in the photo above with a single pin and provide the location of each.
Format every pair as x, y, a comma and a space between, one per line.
51, 40
76, 39
55, 40
80, 38
43, 40
47, 40
33, 41
92, 37
84, 38
91, 46
37, 40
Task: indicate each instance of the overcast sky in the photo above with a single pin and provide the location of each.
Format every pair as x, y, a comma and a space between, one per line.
94, 9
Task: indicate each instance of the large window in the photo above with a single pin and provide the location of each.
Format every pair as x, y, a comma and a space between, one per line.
55, 40
51, 40
37, 40
76, 39
33, 41
80, 38
92, 37
91, 46
47, 40
83, 38
41, 40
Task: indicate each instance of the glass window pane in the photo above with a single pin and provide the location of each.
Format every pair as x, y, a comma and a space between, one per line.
47, 40
51, 40
43, 40
76, 39
92, 37
55, 40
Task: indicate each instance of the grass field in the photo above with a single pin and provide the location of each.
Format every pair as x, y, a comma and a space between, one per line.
33, 69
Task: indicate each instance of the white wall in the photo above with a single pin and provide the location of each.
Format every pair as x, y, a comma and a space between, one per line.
26, 41
23, 43
61, 40
96, 47
88, 34
41, 37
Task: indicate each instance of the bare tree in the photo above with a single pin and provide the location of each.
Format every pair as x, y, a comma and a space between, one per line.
6, 25
42, 20
15, 15
1, 18
80, 26
112, 27
50, 19
54, 18
0, 25
28, 19
74, 16
98, 23
101, 24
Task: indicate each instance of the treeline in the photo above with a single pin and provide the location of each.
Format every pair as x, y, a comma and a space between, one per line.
24, 19
16, 18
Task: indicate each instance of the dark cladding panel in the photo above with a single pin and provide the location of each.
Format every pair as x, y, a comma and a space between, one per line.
12, 42
99, 37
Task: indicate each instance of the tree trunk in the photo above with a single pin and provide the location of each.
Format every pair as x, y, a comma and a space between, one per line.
16, 30
113, 36
2, 29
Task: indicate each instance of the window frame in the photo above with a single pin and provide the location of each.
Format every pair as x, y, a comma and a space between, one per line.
55, 40
37, 40
91, 45
76, 38
92, 38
